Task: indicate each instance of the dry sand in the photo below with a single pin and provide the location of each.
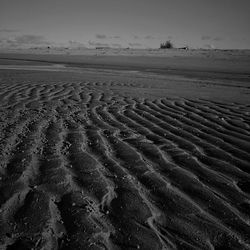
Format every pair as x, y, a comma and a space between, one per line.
125, 152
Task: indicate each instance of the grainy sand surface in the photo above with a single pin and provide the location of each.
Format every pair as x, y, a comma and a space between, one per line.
119, 153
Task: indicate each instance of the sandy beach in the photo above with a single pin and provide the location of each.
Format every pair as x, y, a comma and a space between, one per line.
125, 149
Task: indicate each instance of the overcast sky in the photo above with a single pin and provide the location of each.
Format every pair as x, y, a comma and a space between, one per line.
133, 23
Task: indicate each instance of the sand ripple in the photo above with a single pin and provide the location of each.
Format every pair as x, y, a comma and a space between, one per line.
83, 167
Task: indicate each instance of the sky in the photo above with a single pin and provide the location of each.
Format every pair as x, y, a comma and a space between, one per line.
222, 24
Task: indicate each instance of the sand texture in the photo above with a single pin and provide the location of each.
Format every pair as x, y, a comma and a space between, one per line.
123, 159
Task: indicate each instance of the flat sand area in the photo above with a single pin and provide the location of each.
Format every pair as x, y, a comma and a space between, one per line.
137, 150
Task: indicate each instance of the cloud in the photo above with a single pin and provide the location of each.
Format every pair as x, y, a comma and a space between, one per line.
205, 37
7, 43
98, 44
101, 36
116, 45
31, 39
135, 44
24, 41
149, 37
110, 45
4, 30
143, 37
218, 39
75, 44
146, 37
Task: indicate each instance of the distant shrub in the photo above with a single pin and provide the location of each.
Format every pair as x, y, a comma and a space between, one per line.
167, 45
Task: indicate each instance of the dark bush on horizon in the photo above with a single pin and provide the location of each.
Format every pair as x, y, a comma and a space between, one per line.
167, 45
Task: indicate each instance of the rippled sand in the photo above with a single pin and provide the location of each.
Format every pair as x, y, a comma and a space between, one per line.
109, 159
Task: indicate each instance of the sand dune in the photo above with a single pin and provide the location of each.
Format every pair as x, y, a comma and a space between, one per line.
97, 160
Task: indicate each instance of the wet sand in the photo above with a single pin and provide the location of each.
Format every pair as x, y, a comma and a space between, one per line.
124, 152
